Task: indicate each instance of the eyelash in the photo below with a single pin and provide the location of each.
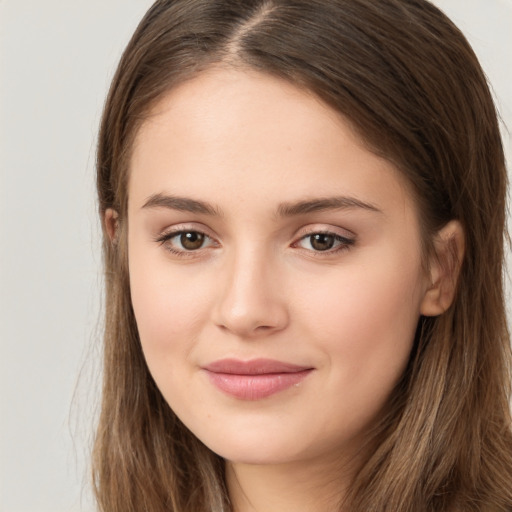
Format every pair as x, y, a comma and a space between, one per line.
344, 243
165, 238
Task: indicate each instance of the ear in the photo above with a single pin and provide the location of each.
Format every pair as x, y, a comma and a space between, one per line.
444, 268
111, 224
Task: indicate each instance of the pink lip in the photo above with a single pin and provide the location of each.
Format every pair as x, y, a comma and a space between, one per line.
255, 379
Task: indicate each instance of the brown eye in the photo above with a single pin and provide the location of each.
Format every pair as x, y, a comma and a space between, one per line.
322, 241
192, 240
183, 242
327, 242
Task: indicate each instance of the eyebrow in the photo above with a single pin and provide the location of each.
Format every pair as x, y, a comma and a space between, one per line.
322, 204
183, 204
186, 204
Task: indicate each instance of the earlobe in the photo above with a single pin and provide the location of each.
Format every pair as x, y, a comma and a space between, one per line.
444, 268
111, 224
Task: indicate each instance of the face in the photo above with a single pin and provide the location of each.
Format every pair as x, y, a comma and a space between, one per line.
275, 268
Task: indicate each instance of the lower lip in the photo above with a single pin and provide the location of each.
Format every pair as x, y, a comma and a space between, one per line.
256, 387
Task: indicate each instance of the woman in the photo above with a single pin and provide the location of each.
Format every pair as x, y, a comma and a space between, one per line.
304, 207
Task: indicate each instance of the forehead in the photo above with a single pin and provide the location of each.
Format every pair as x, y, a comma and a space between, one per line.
239, 135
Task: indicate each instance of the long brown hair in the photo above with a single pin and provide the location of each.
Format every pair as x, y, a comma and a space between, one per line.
409, 83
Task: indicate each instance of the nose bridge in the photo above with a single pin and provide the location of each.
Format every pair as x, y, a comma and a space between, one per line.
250, 301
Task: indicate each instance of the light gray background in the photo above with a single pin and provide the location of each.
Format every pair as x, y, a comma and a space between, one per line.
56, 59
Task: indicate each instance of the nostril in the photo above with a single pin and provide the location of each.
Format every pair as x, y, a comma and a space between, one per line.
263, 328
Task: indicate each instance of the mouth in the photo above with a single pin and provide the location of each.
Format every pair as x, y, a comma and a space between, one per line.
255, 379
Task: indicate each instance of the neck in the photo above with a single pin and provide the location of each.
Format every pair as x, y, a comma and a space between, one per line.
302, 487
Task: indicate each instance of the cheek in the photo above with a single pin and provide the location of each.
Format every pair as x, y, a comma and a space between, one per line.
365, 295
365, 318
169, 306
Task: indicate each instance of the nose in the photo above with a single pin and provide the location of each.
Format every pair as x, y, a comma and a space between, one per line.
251, 301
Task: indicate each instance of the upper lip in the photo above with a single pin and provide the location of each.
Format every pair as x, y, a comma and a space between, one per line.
253, 367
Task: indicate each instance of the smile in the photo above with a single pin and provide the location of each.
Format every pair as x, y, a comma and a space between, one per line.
256, 379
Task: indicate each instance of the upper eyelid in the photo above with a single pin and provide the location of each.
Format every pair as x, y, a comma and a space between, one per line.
165, 238
301, 233
184, 228
167, 235
328, 230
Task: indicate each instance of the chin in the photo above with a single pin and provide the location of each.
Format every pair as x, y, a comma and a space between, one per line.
262, 447
262, 454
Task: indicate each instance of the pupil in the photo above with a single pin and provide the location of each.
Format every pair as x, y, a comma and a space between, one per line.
192, 241
322, 242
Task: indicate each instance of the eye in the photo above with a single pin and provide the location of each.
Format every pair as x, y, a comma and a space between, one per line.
324, 242
185, 241
191, 240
